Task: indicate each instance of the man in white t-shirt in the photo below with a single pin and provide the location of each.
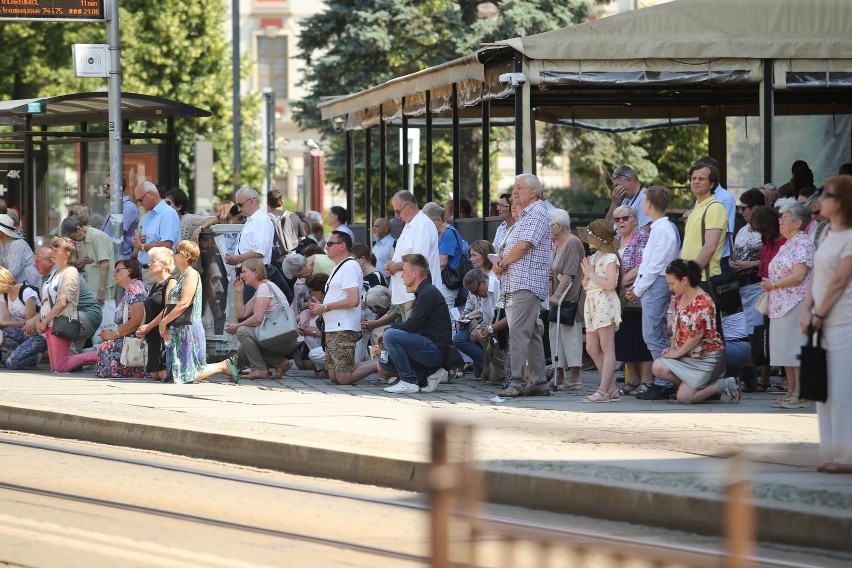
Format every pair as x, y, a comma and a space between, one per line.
419, 236
341, 312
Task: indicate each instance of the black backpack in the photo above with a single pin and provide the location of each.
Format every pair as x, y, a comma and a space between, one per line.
279, 244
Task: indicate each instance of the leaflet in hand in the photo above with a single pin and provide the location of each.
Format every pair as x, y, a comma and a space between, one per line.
457, 316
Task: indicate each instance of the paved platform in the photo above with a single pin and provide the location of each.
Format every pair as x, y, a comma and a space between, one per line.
649, 462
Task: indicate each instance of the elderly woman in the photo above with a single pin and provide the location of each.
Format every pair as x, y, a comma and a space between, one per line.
602, 308
378, 301
787, 284
634, 354
504, 211
180, 326
745, 257
568, 252
828, 306
451, 251
18, 303
695, 360
15, 254
59, 298
129, 314
297, 266
161, 265
311, 353
267, 299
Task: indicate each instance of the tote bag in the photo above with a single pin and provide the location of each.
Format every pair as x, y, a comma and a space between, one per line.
277, 332
134, 353
813, 371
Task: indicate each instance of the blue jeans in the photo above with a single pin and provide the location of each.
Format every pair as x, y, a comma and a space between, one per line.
470, 348
655, 305
410, 355
736, 355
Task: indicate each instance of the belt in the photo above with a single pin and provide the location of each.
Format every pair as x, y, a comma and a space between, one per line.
739, 339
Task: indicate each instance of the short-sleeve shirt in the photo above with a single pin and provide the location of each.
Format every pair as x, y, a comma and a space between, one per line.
257, 235
160, 224
17, 307
836, 246
418, 236
532, 271
747, 247
798, 250
637, 202
715, 217
347, 275
451, 244
696, 316
97, 245
267, 291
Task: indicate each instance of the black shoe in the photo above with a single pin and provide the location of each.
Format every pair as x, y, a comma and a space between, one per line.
657, 392
538, 390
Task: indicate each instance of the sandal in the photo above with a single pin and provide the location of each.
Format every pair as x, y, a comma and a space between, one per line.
629, 389
234, 373
569, 386
257, 374
642, 389
282, 368
598, 396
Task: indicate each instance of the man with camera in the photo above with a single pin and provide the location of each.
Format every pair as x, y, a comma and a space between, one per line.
627, 190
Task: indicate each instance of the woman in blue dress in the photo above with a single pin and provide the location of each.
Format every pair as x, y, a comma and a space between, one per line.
181, 327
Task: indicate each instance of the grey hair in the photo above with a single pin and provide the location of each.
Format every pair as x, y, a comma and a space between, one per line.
248, 192
434, 211
625, 208
405, 197
561, 217
531, 181
378, 296
797, 211
293, 264
474, 277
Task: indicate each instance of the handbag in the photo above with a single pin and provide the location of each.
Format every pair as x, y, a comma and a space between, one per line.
566, 310
277, 332
134, 353
762, 304
184, 318
760, 345
454, 277
66, 328
813, 369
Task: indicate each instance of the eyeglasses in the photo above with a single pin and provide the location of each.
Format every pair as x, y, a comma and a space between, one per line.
621, 219
401, 209
785, 220
501, 206
826, 193
240, 205
329, 243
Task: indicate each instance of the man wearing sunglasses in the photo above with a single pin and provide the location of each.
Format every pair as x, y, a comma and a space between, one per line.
159, 228
627, 190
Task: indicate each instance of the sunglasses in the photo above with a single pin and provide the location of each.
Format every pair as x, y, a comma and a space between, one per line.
240, 205
621, 219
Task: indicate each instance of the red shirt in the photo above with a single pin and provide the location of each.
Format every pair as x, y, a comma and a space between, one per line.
767, 253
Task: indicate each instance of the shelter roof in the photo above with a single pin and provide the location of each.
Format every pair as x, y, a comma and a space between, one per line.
94, 107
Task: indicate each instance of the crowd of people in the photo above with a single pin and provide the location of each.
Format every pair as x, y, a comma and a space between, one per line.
678, 311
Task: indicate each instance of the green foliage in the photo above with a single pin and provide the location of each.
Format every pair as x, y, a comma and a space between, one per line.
170, 49
673, 150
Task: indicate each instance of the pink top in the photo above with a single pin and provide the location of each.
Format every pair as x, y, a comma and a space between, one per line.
798, 250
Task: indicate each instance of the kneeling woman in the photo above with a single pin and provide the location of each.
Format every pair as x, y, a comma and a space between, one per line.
696, 358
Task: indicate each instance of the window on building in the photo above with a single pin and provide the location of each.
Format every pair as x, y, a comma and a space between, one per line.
272, 64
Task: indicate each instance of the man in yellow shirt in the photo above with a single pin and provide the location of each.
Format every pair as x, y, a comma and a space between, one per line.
705, 248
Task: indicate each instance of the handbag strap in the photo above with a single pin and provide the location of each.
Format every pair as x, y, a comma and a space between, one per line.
274, 291
727, 237
336, 268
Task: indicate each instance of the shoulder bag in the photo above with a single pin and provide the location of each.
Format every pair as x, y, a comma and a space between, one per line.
134, 353
454, 277
64, 326
813, 379
566, 310
277, 332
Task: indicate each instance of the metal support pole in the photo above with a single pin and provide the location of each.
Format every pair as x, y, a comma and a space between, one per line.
767, 114
429, 194
368, 184
406, 159
269, 138
383, 163
486, 165
456, 153
115, 129
350, 175
235, 92
519, 120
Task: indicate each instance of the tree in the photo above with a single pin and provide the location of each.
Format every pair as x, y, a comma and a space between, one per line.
357, 44
170, 49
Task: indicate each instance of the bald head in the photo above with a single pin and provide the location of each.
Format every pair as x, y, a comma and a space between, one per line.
381, 227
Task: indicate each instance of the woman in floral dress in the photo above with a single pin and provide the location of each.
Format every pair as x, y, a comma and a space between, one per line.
185, 344
128, 275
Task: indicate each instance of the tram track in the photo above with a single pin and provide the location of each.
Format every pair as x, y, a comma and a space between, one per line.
504, 523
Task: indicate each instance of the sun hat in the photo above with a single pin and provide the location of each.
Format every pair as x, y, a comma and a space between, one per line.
8, 226
599, 234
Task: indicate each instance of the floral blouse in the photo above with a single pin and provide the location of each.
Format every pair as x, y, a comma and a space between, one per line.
797, 250
698, 315
631, 255
747, 247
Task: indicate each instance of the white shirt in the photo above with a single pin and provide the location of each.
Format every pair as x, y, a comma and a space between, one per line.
347, 275
418, 236
257, 236
17, 308
663, 247
724, 197
382, 250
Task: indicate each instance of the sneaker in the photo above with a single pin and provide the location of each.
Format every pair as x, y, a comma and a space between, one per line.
657, 392
434, 380
402, 388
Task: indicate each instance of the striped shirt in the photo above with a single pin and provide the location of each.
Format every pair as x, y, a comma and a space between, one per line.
532, 271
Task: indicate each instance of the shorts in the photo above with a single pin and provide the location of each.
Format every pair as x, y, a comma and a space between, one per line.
340, 350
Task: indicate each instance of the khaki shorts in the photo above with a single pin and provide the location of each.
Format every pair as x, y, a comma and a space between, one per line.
340, 350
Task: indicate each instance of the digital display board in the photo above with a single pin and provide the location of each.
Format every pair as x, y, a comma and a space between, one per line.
58, 10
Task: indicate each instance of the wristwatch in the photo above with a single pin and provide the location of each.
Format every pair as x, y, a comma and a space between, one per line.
490, 330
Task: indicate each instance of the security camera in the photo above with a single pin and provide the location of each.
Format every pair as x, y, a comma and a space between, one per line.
516, 79
338, 122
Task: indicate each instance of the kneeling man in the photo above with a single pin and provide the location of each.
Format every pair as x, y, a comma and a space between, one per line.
419, 346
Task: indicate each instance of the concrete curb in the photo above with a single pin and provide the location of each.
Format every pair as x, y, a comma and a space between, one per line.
700, 513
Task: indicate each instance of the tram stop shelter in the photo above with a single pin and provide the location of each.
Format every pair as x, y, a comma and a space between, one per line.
784, 64
54, 151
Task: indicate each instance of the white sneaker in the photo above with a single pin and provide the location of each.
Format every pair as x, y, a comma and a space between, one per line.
403, 388
435, 379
